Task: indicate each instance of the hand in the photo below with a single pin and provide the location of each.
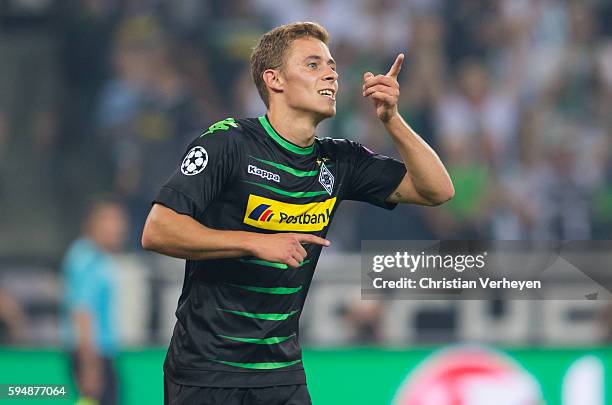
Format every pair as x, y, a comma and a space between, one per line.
90, 380
284, 247
384, 90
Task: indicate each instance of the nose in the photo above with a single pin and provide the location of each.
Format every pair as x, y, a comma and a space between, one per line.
331, 75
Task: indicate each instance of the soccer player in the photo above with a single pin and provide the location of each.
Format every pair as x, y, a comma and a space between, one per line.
249, 208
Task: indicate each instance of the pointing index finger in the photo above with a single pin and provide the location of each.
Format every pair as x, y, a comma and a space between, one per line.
307, 238
397, 66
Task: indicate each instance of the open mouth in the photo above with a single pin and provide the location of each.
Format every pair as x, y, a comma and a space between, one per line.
328, 93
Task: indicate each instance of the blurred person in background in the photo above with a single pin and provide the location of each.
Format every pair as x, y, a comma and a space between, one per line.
12, 320
572, 135
476, 119
564, 185
476, 127
89, 300
363, 321
425, 73
333, 14
147, 110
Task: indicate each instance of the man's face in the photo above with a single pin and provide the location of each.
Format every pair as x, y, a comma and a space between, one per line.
108, 227
310, 78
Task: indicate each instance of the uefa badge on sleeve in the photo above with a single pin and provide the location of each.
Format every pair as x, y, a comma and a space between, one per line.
326, 179
195, 161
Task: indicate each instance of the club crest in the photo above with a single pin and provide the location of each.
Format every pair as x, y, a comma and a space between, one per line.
326, 179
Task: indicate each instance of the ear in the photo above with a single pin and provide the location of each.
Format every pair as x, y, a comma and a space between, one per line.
274, 80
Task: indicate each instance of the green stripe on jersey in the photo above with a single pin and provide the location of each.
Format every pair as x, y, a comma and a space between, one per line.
290, 170
267, 317
282, 142
269, 290
266, 341
294, 194
260, 366
264, 263
282, 266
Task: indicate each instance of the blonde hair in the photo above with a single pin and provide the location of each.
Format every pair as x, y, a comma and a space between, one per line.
273, 45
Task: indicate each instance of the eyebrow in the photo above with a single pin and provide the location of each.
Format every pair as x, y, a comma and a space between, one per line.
317, 57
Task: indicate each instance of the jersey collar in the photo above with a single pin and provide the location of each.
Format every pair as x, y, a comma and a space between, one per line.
282, 141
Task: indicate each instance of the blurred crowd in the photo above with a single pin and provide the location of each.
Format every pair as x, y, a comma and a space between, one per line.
515, 95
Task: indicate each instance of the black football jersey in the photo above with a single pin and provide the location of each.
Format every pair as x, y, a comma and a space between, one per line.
238, 319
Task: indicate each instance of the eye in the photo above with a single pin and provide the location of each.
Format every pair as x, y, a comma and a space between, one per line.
312, 65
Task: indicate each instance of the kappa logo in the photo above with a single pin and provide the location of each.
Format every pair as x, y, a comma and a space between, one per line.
265, 213
326, 179
223, 125
264, 174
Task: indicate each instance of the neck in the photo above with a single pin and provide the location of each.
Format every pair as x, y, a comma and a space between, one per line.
295, 126
98, 241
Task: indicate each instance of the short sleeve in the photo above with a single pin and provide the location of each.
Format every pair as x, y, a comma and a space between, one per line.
208, 164
373, 177
81, 270
82, 291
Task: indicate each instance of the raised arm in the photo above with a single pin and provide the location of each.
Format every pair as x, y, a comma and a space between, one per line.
426, 182
173, 234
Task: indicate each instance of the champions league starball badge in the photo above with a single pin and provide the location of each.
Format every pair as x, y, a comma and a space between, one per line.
195, 161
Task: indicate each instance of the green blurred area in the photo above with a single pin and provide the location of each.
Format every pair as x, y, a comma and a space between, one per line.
335, 376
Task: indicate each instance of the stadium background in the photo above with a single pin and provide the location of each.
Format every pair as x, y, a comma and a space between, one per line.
100, 96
